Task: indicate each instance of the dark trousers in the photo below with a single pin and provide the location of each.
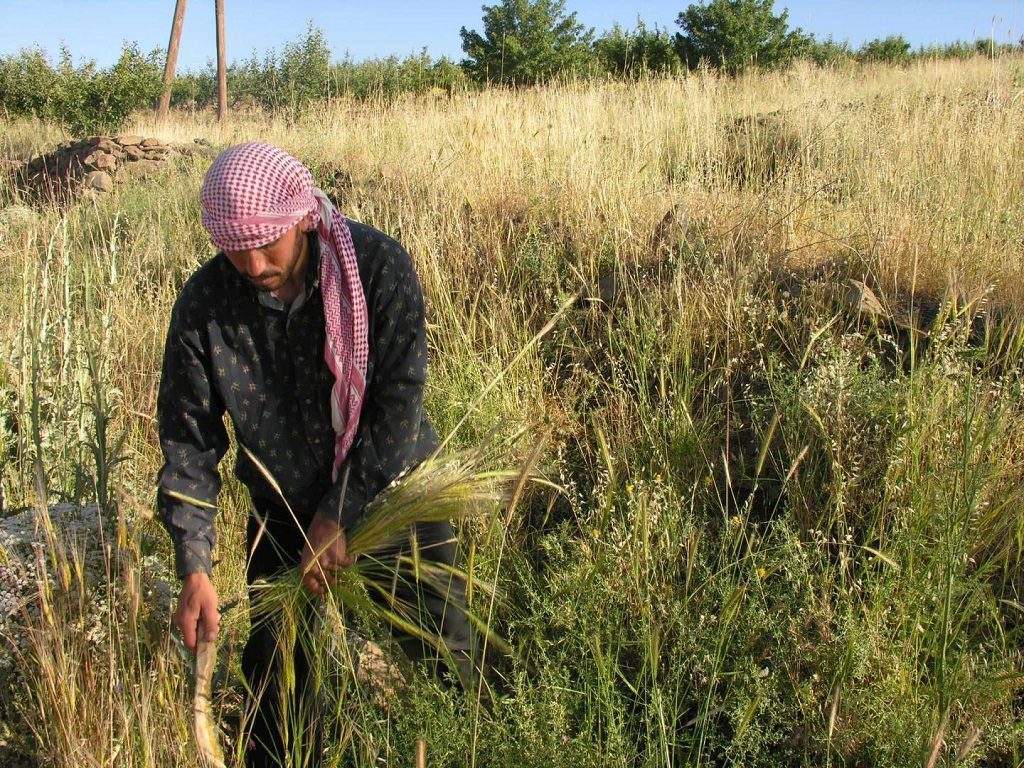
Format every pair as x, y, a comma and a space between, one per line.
441, 613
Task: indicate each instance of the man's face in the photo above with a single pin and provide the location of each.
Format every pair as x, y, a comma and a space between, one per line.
280, 264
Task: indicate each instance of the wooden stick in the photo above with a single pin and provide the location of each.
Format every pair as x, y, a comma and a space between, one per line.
206, 731
222, 76
172, 59
421, 753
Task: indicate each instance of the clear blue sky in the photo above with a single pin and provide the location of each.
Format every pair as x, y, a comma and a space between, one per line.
95, 29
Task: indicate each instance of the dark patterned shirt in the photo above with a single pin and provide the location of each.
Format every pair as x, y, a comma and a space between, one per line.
233, 349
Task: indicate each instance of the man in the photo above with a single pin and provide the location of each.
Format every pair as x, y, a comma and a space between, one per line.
308, 331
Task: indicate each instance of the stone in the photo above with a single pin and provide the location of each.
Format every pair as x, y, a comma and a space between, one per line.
91, 158
106, 145
859, 298
151, 143
62, 163
133, 152
99, 181
129, 140
141, 168
669, 233
16, 215
22, 546
105, 162
618, 285
29, 540
100, 161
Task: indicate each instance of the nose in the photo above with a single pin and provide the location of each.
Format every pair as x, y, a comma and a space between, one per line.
254, 263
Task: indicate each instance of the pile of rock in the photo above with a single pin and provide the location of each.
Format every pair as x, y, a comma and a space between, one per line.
34, 545
90, 164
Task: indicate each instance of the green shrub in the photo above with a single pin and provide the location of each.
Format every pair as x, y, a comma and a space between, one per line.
82, 98
828, 52
291, 81
302, 74
392, 76
526, 42
630, 53
735, 35
196, 90
893, 49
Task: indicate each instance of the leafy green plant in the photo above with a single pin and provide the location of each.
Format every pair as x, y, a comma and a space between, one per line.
736, 35
829, 52
290, 81
525, 42
894, 49
390, 77
641, 51
83, 98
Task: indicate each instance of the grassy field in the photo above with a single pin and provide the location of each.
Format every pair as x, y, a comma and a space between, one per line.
789, 528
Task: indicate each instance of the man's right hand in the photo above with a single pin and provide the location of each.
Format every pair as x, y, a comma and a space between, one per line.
197, 617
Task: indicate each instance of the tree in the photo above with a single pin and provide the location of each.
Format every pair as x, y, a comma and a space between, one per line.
893, 49
829, 52
82, 98
526, 42
734, 35
633, 53
293, 80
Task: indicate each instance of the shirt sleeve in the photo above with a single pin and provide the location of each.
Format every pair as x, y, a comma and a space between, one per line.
193, 440
388, 437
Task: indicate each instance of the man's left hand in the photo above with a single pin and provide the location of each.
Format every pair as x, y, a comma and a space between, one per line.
325, 552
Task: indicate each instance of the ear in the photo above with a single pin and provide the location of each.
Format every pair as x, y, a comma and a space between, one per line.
306, 224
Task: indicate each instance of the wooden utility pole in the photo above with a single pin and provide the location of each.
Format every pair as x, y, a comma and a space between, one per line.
172, 59
222, 72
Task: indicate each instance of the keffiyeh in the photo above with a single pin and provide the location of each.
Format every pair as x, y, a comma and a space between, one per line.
253, 194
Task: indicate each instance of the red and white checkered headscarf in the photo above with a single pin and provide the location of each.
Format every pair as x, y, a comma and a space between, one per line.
253, 194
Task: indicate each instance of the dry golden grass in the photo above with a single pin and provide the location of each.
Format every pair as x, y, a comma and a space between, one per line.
917, 172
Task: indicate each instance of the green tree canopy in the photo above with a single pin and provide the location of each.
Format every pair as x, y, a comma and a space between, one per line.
631, 53
526, 42
83, 98
894, 49
734, 35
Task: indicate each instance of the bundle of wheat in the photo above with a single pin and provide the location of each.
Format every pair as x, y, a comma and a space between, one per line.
452, 487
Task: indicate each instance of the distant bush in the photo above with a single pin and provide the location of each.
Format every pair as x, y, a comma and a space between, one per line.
82, 98
392, 76
955, 50
197, 90
828, 52
291, 80
894, 49
631, 53
961, 49
526, 42
736, 35
302, 74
